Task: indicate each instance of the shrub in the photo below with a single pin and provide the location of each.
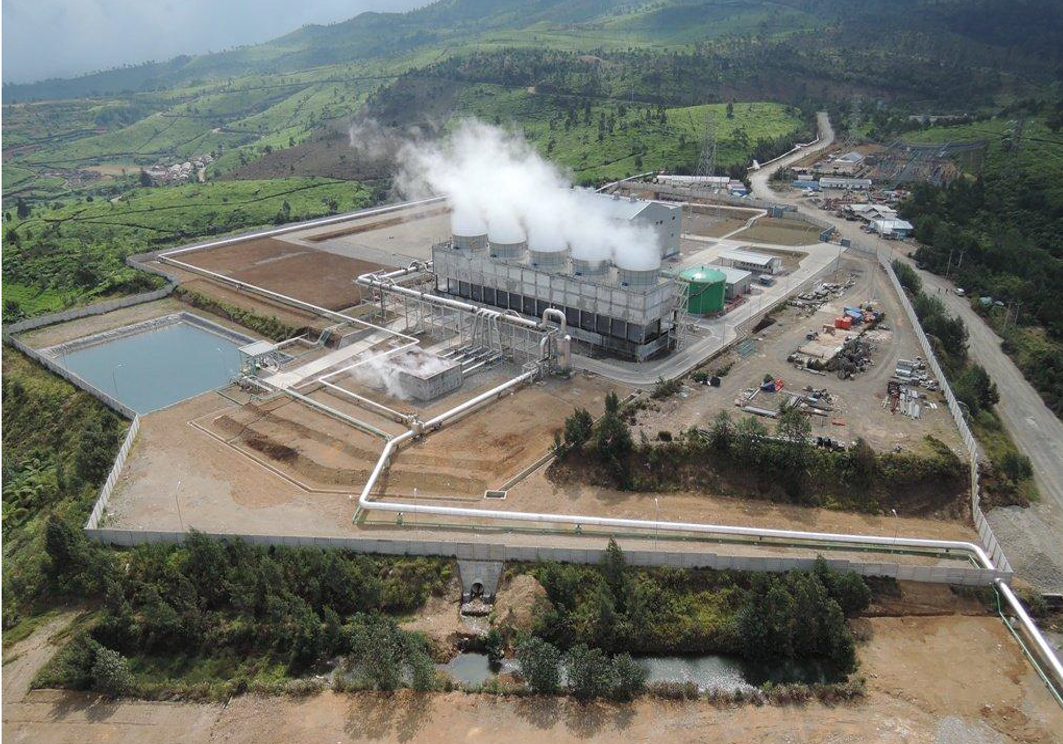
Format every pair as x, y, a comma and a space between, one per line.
496, 646
1016, 466
590, 673
110, 673
540, 664
630, 677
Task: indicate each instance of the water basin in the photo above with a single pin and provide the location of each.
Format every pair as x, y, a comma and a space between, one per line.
161, 364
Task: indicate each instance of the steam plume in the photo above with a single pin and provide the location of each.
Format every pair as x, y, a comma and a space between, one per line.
494, 178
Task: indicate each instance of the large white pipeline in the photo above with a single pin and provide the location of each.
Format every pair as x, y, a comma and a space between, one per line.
875, 541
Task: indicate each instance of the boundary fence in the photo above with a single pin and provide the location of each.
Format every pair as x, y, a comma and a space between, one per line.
496, 551
116, 470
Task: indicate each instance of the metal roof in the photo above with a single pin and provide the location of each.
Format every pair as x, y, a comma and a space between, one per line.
748, 257
702, 275
628, 208
258, 348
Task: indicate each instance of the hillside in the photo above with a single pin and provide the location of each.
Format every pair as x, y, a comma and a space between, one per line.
604, 88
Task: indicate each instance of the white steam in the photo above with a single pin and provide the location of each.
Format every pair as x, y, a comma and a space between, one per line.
495, 179
383, 373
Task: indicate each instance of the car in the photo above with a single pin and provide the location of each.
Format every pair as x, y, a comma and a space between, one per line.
960, 291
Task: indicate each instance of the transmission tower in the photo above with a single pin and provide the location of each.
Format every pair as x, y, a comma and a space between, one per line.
854, 120
707, 160
1014, 134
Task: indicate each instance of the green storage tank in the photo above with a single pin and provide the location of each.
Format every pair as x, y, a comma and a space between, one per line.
708, 287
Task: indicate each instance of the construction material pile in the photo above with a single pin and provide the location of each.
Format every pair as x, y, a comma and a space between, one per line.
854, 357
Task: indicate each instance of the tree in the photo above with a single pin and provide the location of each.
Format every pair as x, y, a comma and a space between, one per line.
540, 665
145, 179
578, 429
95, 455
975, 388
590, 673
849, 589
630, 677
767, 621
749, 434
722, 432
730, 110
614, 567
22, 209
614, 445
864, 462
110, 672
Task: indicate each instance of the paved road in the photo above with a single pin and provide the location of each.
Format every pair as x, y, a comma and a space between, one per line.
1032, 538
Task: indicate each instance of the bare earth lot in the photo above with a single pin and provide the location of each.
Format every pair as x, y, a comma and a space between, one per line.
947, 679
858, 405
310, 275
780, 232
284, 467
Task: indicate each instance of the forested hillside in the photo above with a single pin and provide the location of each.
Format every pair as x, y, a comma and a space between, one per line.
998, 233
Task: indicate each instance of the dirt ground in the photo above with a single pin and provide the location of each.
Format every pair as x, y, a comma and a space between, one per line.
539, 493
780, 232
314, 276
945, 679
858, 400
217, 466
254, 302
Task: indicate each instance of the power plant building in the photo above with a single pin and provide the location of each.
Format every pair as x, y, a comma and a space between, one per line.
665, 219
759, 263
737, 281
626, 311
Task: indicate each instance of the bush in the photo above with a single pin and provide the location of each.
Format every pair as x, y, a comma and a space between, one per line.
1016, 466
590, 673
630, 677
110, 673
540, 665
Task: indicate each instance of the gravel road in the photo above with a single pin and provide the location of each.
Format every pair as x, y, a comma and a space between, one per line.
1032, 537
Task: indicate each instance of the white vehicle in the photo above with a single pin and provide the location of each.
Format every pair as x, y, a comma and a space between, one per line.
960, 291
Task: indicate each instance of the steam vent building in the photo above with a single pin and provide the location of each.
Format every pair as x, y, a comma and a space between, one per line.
622, 307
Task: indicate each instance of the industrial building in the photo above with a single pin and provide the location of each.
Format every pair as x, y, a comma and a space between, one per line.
737, 281
891, 228
845, 165
759, 263
624, 310
846, 184
665, 219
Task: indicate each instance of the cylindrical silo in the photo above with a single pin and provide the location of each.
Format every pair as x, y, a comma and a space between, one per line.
707, 289
468, 231
552, 261
589, 269
637, 277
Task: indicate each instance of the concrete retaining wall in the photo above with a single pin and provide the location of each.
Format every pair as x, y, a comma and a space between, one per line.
482, 551
97, 308
95, 392
116, 470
